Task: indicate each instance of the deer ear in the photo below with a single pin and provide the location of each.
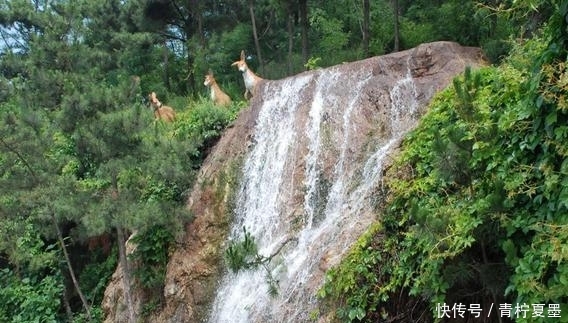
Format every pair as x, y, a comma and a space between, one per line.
242, 55
210, 72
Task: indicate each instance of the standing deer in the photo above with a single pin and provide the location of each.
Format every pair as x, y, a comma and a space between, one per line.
161, 111
217, 95
251, 79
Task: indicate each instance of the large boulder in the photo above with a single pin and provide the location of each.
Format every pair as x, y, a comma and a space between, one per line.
342, 121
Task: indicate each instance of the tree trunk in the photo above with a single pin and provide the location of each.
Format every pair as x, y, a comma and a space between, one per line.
123, 261
255, 36
126, 279
66, 304
191, 84
166, 75
303, 9
366, 20
396, 27
70, 268
197, 13
290, 36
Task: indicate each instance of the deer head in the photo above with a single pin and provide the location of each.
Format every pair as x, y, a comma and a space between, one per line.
241, 64
209, 78
161, 111
154, 102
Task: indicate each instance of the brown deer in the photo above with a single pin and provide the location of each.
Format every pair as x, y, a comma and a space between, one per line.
251, 79
161, 111
217, 95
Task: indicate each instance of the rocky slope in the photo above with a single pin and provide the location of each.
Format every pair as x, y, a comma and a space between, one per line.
330, 131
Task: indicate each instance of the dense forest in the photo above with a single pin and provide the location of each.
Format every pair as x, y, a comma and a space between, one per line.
476, 213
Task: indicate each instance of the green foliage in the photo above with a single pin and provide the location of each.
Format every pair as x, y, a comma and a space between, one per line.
29, 265
97, 273
24, 248
80, 151
477, 209
223, 49
151, 257
243, 255
203, 122
481, 23
382, 38
356, 278
151, 307
312, 63
332, 36
415, 33
30, 298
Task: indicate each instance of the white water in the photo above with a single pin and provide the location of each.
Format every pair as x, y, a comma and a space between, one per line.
328, 224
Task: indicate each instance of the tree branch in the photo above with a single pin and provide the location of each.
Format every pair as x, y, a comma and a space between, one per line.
262, 260
20, 157
170, 36
180, 13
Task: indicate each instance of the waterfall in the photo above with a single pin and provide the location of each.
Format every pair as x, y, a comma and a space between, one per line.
313, 134
310, 175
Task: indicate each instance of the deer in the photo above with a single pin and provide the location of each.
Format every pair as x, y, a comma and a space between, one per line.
217, 95
251, 79
161, 111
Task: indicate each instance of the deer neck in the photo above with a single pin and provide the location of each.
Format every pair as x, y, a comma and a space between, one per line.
214, 90
250, 78
157, 105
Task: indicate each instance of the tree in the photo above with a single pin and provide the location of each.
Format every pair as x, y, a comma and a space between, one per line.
24, 159
303, 14
255, 34
290, 29
396, 26
74, 125
80, 154
365, 27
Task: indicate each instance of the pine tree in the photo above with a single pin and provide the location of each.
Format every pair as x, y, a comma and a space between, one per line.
80, 153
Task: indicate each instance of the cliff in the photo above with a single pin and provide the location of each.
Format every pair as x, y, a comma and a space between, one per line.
303, 161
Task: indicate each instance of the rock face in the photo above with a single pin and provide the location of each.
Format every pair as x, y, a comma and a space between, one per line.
303, 162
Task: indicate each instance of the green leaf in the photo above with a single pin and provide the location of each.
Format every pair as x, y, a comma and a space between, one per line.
551, 120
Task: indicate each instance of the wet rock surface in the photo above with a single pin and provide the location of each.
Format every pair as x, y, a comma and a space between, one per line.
345, 123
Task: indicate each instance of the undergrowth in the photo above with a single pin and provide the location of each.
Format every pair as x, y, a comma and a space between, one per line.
478, 206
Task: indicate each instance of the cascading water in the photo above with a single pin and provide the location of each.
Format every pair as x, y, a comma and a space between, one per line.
305, 151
